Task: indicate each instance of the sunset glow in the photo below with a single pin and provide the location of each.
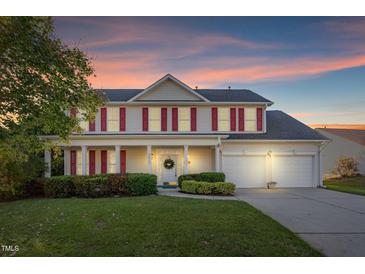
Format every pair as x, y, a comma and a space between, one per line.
313, 68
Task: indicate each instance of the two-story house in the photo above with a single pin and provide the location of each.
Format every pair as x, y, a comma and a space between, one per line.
227, 130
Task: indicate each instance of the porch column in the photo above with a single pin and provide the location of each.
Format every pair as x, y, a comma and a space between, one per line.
117, 159
149, 158
47, 161
186, 163
66, 161
83, 160
217, 159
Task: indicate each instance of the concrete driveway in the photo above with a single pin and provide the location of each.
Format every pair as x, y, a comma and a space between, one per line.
332, 222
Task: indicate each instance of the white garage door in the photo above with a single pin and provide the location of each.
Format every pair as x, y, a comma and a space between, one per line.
245, 171
293, 171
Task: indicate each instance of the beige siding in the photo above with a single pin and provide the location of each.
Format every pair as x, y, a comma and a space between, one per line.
201, 159
339, 147
169, 90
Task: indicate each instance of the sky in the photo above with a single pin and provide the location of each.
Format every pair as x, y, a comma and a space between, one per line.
310, 67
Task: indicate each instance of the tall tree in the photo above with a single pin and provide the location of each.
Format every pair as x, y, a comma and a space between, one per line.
41, 78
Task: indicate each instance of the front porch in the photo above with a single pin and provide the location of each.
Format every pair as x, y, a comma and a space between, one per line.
128, 156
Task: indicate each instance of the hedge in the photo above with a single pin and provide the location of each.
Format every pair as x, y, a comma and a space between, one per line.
220, 188
59, 186
103, 185
141, 184
212, 177
187, 177
202, 177
92, 187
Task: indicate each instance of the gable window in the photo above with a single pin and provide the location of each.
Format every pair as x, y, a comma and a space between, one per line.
184, 119
154, 119
113, 119
250, 119
223, 119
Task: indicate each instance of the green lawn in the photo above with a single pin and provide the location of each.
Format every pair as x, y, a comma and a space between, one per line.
144, 226
355, 185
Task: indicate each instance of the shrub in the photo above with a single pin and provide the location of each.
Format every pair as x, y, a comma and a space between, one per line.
141, 184
202, 177
59, 186
92, 186
118, 183
187, 177
220, 188
346, 167
212, 177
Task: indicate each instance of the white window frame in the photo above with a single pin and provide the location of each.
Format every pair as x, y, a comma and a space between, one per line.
221, 121
251, 119
112, 122
184, 122
154, 123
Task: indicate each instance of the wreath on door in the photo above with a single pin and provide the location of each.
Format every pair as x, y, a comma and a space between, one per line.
169, 163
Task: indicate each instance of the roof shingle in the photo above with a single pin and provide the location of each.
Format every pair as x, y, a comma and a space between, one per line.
281, 126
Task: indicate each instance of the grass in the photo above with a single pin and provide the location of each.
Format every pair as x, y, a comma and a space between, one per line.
354, 185
144, 226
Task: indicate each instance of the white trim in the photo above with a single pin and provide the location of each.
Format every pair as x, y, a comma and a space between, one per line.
272, 141
174, 103
108, 136
244, 153
177, 81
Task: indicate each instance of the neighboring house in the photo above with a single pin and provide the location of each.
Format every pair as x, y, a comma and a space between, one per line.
344, 142
226, 130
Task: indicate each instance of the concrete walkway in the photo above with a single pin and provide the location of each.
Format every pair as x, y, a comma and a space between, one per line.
332, 222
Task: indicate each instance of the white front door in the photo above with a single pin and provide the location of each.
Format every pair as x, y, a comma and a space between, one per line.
168, 175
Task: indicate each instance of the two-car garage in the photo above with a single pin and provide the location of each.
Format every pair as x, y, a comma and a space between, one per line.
254, 170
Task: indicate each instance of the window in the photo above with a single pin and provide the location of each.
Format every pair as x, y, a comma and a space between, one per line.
113, 119
78, 162
111, 161
154, 119
84, 124
223, 119
250, 119
184, 119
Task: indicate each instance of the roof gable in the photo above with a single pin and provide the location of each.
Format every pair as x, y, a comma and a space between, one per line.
168, 88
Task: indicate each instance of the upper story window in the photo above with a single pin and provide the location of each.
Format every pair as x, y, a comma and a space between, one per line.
223, 119
184, 119
113, 118
250, 119
154, 119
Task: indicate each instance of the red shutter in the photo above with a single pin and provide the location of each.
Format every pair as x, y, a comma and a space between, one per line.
103, 117
73, 112
92, 125
163, 119
122, 119
91, 162
259, 119
73, 162
145, 119
104, 161
123, 162
233, 119
175, 126
241, 119
193, 119
214, 119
